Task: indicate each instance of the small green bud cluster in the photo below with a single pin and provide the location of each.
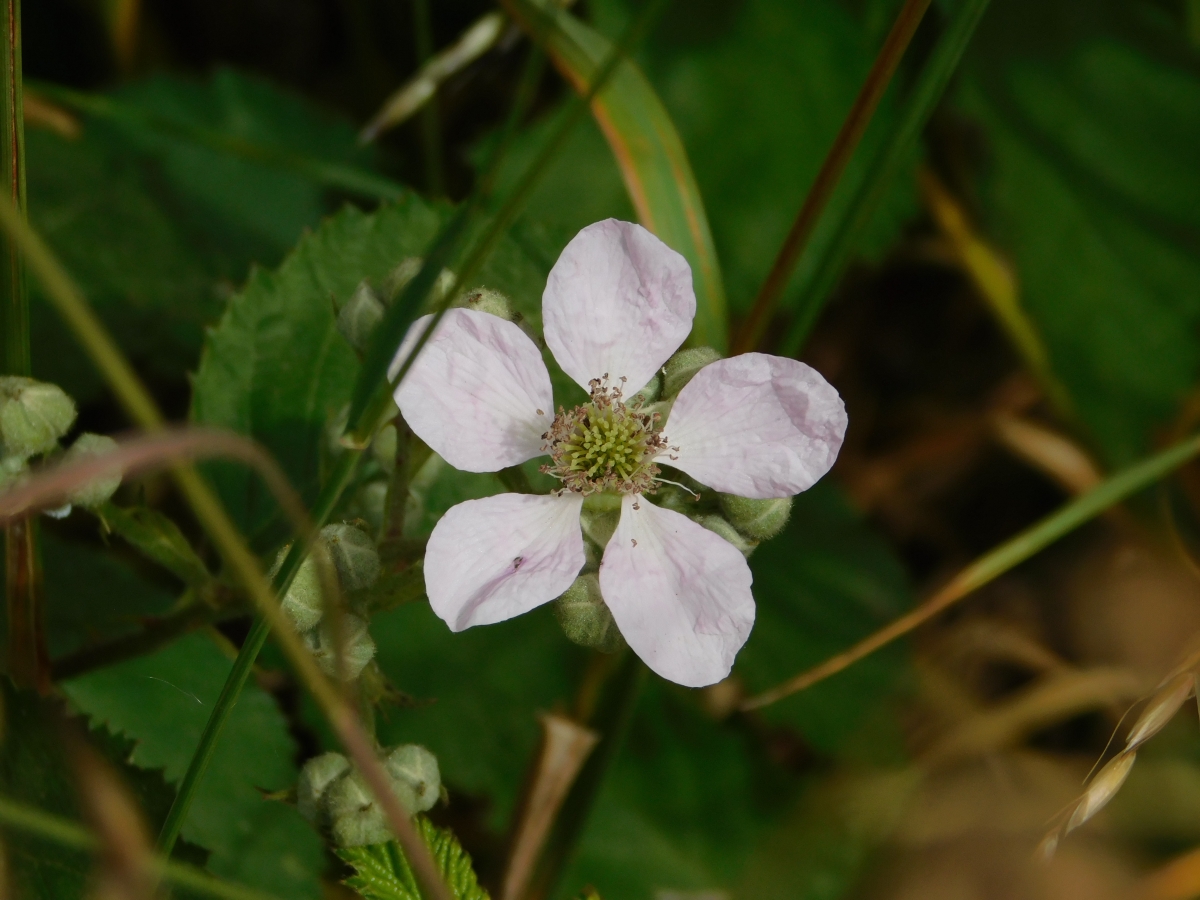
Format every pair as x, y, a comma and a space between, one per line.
332, 794
354, 561
34, 416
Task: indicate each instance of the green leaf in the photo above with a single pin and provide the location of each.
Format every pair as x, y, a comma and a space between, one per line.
820, 586
648, 151
34, 770
276, 367
383, 873
157, 228
1092, 188
159, 539
489, 685
90, 597
162, 702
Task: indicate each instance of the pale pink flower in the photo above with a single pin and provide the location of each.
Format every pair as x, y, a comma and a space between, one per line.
618, 303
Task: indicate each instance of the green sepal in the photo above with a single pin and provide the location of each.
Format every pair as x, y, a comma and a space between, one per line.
158, 539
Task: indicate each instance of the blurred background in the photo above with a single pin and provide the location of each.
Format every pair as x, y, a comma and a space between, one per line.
1017, 320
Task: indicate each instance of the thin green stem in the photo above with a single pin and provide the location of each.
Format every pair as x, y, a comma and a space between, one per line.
998, 561
889, 160
827, 179
244, 663
431, 129
373, 392
334, 175
74, 836
612, 721
133, 396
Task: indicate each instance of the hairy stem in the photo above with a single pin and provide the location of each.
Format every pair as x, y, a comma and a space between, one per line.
831, 172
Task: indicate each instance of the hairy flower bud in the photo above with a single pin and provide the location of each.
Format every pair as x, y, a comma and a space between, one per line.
487, 300
358, 648
415, 777
304, 602
357, 819
718, 525
33, 416
585, 617
359, 316
681, 367
98, 491
383, 448
759, 520
315, 778
353, 554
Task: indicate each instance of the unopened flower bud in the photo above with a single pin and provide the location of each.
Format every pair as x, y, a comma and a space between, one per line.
415, 777
33, 416
398, 279
303, 603
370, 503
12, 470
358, 648
353, 554
98, 491
585, 617
383, 448
681, 367
315, 778
718, 525
487, 300
360, 315
356, 819
759, 520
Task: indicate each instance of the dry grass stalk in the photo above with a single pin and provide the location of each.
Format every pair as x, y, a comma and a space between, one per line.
1049, 452
565, 746
1172, 693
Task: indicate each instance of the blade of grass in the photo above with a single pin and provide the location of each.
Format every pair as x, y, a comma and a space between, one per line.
998, 561
28, 659
372, 393
335, 175
431, 129
646, 147
133, 396
931, 83
844, 145
74, 836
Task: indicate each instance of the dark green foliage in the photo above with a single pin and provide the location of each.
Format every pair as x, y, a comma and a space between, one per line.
157, 538
162, 701
823, 584
1091, 185
381, 871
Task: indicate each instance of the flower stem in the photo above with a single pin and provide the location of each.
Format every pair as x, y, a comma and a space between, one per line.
28, 656
611, 720
236, 680
831, 172
894, 152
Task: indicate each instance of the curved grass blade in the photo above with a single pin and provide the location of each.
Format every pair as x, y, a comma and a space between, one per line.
926, 92
648, 151
998, 561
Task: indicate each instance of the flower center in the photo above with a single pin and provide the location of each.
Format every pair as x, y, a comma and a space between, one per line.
604, 445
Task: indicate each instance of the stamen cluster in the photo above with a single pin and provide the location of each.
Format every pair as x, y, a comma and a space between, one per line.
605, 444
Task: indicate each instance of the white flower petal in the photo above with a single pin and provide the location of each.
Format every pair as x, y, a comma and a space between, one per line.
679, 593
619, 302
491, 559
757, 426
478, 393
